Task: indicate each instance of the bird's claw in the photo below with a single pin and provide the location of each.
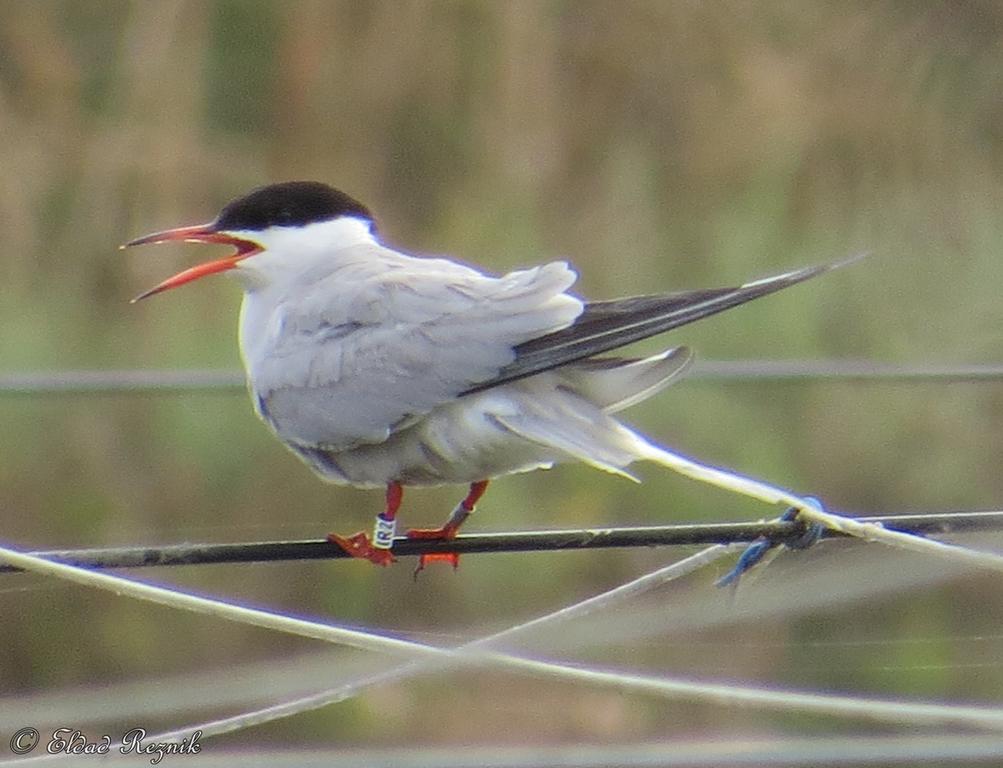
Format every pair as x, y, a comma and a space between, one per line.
445, 533
453, 558
360, 546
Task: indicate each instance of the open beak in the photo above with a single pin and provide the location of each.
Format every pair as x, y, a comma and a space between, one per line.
202, 233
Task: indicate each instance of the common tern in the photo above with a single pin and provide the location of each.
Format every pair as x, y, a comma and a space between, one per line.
383, 369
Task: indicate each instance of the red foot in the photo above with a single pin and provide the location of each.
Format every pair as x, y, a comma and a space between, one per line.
361, 547
445, 533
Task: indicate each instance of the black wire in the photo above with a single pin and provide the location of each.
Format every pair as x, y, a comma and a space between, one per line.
525, 541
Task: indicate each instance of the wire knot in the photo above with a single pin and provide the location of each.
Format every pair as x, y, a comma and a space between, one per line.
807, 533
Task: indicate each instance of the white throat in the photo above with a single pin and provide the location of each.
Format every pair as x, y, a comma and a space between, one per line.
293, 259
293, 252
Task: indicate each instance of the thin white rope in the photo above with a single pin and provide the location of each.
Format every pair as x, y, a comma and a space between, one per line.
352, 688
184, 601
811, 510
872, 709
602, 601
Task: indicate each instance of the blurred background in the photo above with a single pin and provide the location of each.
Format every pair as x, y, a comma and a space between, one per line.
657, 145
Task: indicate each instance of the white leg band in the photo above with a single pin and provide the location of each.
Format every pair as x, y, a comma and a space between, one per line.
383, 532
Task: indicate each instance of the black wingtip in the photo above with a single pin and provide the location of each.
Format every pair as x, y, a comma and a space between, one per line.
608, 325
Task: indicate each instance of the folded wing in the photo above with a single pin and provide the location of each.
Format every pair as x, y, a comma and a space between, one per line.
356, 359
363, 355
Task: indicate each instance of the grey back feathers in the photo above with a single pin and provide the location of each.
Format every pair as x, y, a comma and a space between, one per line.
382, 341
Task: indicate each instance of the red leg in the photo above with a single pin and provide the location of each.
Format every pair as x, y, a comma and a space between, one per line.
376, 550
448, 531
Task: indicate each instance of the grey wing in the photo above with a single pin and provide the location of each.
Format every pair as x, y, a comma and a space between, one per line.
607, 325
351, 363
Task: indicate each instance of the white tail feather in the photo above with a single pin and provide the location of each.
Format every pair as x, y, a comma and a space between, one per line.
566, 422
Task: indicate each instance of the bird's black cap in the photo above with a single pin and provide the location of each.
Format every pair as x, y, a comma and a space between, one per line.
289, 204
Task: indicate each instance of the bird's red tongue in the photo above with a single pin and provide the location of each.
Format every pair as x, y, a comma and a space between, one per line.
203, 233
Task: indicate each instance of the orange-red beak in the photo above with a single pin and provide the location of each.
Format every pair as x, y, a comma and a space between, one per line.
202, 233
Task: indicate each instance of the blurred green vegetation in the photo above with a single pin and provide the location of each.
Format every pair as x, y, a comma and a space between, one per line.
655, 144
